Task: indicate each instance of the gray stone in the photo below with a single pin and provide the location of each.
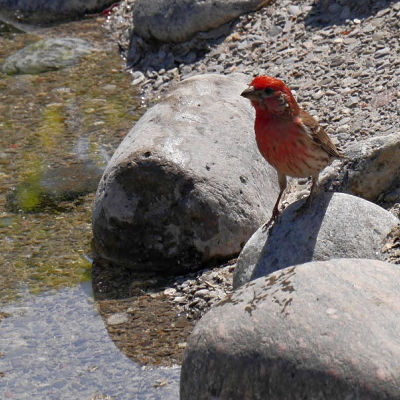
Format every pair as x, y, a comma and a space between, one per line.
382, 52
45, 11
117, 318
178, 20
337, 225
47, 55
187, 185
371, 168
353, 101
294, 10
321, 330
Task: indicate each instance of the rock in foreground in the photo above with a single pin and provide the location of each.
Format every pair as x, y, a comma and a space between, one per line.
337, 225
187, 185
321, 330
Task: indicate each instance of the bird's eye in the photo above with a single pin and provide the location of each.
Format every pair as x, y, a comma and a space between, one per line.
268, 91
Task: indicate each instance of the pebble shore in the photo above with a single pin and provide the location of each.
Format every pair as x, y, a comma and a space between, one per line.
340, 59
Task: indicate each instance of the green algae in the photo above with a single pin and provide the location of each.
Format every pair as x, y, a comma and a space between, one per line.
44, 118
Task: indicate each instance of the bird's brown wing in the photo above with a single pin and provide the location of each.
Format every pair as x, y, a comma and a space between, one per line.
319, 136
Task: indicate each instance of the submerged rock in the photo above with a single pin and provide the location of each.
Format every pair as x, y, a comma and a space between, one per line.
47, 55
48, 189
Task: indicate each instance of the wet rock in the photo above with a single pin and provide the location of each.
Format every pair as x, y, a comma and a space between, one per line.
337, 225
6, 27
72, 181
372, 168
187, 185
179, 20
46, 11
308, 331
47, 55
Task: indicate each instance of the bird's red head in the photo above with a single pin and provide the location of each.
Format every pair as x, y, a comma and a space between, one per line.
271, 95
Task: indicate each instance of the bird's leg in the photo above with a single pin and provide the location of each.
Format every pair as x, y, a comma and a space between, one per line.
275, 212
307, 203
312, 190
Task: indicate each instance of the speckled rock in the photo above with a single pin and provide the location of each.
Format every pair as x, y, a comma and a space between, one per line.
321, 330
45, 11
178, 20
337, 225
47, 55
187, 185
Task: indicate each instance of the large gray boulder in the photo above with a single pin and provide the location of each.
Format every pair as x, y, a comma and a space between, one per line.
321, 330
337, 225
47, 55
187, 185
46, 11
179, 20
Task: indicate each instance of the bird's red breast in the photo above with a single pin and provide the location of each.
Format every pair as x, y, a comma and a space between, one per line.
288, 137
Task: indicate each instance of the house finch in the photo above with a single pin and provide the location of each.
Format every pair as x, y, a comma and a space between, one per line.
289, 138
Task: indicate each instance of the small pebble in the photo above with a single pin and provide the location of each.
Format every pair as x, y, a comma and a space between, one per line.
117, 319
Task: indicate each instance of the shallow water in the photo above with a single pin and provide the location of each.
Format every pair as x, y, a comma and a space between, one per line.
55, 346
57, 131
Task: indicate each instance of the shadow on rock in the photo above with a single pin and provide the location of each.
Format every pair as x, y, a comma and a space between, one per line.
293, 237
331, 12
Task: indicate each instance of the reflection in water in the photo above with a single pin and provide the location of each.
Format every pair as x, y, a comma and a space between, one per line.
55, 346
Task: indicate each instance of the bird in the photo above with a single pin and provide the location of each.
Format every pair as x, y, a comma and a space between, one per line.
288, 137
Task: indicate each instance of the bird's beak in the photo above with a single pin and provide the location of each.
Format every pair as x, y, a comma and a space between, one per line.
249, 93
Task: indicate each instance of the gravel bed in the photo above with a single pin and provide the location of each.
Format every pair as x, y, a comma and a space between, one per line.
341, 59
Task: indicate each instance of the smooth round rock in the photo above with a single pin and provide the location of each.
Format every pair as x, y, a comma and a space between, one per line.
187, 186
178, 20
337, 225
321, 330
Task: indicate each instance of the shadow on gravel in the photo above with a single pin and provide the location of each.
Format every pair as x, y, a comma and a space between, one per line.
151, 56
143, 322
330, 12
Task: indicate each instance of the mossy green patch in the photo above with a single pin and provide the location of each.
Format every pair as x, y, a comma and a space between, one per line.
52, 126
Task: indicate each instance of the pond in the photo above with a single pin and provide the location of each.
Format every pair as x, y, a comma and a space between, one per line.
58, 130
